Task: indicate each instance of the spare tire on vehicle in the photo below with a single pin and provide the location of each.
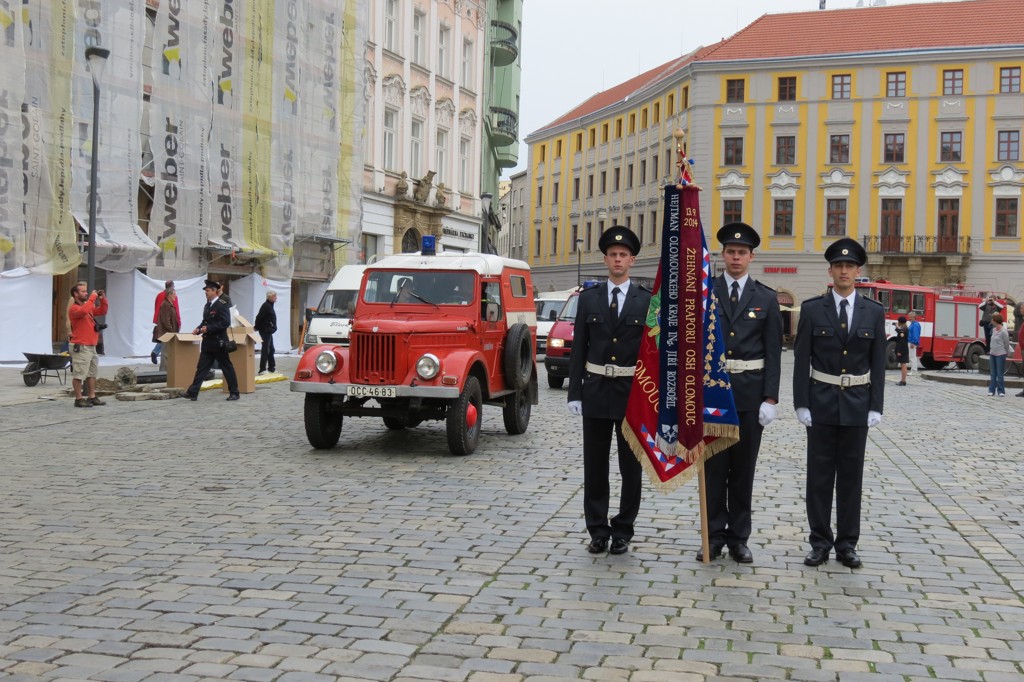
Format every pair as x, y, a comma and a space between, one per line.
518, 360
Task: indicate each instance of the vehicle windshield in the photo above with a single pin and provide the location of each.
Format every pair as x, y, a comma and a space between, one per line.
547, 308
569, 309
419, 287
338, 303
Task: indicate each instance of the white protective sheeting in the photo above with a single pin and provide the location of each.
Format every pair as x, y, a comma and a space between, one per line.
131, 297
26, 305
250, 292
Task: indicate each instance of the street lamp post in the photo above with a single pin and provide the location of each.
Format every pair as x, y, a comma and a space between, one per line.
97, 59
579, 255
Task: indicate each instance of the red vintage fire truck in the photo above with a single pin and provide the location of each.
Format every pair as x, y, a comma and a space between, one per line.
949, 317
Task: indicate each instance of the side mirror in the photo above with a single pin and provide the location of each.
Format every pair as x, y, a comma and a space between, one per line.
491, 311
310, 313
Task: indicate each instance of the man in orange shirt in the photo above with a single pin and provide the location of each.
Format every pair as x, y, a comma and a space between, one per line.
84, 336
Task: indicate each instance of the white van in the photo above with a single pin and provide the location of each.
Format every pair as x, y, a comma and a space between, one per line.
332, 320
548, 304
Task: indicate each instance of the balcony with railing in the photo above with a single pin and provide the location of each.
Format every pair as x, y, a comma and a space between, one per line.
504, 43
504, 126
914, 245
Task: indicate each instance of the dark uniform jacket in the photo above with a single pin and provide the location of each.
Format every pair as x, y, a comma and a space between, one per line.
820, 345
752, 331
216, 319
266, 319
600, 338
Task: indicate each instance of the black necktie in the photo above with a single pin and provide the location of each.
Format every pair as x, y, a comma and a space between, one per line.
615, 301
843, 319
735, 297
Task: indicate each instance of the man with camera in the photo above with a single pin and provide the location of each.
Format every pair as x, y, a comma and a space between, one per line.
85, 334
216, 342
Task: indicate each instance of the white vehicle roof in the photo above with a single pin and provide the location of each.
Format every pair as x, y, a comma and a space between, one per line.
555, 295
484, 263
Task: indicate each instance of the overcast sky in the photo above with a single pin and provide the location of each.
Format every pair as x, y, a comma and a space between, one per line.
573, 49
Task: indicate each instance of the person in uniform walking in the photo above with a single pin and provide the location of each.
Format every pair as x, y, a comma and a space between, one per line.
838, 388
610, 323
751, 325
214, 330
901, 346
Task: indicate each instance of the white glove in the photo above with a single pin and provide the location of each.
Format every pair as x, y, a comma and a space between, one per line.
766, 414
874, 418
576, 408
803, 415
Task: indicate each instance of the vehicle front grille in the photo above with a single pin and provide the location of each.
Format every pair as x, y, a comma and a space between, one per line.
373, 358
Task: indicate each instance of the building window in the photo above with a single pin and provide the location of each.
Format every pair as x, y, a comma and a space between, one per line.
616, 177
441, 155
390, 128
416, 148
686, 98
632, 124
787, 88
444, 44
575, 237
839, 149
1009, 79
654, 167
670, 104
590, 185
592, 137
589, 230
953, 82
643, 171
465, 164
734, 151
540, 196
734, 90
951, 146
896, 84
575, 189
783, 217
604, 182
732, 211
467, 64
892, 225
536, 242
657, 112
554, 193
949, 225
1006, 217
640, 227
1009, 145
419, 24
835, 218
654, 226
554, 239
604, 133
578, 146
894, 144
629, 176
643, 119
842, 85
558, 149
390, 24
785, 150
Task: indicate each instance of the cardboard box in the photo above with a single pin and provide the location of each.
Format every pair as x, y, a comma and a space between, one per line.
182, 354
244, 358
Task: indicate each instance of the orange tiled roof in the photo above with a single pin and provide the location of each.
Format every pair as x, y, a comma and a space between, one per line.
931, 25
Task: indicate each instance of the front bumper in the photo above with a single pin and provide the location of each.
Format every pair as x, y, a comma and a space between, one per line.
441, 392
558, 367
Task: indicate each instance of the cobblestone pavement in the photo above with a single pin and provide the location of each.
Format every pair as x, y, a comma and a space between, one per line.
172, 540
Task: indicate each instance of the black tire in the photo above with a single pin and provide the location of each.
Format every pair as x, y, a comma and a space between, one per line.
929, 363
323, 427
394, 423
890, 355
31, 374
973, 357
463, 438
519, 357
516, 412
555, 382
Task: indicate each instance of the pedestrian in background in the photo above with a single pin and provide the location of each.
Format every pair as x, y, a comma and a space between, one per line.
913, 340
988, 308
159, 347
85, 333
214, 330
168, 320
838, 390
610, 323
902, 348
266, 325
751, 325
999, 348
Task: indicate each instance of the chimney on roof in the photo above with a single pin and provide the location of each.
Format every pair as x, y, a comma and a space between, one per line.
821, 4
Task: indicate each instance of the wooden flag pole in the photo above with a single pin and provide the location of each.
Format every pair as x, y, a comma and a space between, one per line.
705, 542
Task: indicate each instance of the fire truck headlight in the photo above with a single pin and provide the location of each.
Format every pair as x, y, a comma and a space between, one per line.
326, 362
428, 366
556, 343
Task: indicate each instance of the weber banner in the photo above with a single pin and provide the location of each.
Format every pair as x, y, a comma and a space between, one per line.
351, 113
179, 124
12, 94
258, 56
50, 238
117, 25
681, 410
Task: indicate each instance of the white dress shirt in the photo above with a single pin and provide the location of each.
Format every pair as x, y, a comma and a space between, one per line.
623, 288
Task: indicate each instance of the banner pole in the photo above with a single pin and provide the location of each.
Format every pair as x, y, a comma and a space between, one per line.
704, 540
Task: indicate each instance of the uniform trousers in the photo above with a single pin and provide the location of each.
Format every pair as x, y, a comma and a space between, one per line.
730, 484
597, 441
206, 360
835, 460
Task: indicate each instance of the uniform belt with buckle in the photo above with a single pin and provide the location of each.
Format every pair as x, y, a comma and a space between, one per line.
737, 366
610, 370
843, 380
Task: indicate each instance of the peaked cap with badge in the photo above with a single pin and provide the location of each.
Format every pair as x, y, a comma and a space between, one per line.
846, 250
623, 236
738, 233
211, 284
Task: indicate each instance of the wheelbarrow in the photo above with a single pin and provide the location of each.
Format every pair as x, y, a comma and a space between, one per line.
42, 365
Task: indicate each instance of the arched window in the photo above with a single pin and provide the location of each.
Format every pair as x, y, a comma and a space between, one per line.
411, 241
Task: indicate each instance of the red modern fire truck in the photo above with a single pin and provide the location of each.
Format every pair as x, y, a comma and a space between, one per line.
949, 317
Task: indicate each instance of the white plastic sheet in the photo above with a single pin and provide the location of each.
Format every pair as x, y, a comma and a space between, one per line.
250, 292
131, 297
25, 304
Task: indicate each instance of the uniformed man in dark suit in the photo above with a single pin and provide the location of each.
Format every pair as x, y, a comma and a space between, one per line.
214, 329
610, 322
751, 324
838, 380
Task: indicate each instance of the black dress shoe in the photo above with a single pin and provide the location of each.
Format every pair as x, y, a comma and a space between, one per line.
152, 357
816, 557
619, 546
233, 396
741, 553
191, 397
598, 546
715, 549
848, 557
1020, 395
